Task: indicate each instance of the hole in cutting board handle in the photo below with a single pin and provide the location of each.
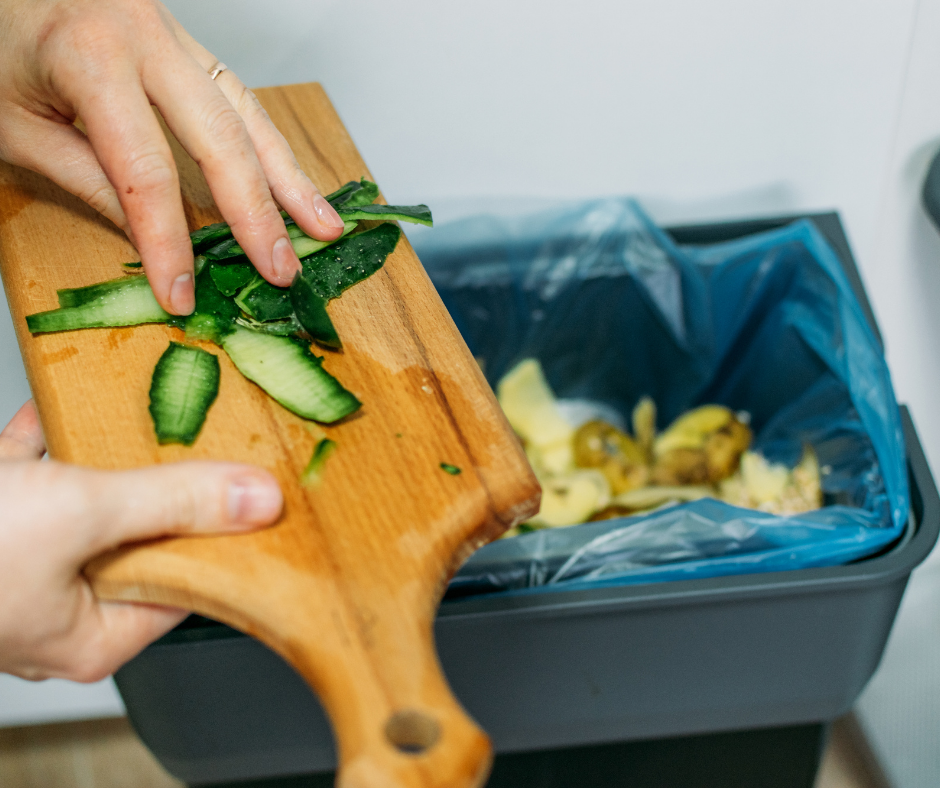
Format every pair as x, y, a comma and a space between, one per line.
412, 732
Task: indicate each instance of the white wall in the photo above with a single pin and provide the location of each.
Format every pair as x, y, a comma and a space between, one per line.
31, 703
900, 709
726, 108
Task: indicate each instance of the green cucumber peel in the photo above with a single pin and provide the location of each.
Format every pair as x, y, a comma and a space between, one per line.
313, 473
333, 270
269, 341
209, 235
202, 328
185, 383
212, 306
310, 310
263, 301
231, 278
416, 214
76, 296
278, 328
224, 250
286, 369
303, 244
127, 301
353, 194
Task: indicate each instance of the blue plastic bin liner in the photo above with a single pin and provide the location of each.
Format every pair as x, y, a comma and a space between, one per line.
615, 311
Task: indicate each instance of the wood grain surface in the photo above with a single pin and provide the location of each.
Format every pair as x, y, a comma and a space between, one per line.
346, 586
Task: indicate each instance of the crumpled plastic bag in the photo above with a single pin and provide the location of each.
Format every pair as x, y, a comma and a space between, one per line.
614, 311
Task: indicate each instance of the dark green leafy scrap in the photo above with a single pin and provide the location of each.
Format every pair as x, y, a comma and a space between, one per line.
416, 214
209, 235
276, 328
303, 244
215, 313
338, 267
229, 279
353, 194
342, 192
310, 309
224, 250
264, 301
210, 239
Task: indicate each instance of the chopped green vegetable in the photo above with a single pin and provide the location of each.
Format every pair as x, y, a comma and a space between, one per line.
416, 214
224, 250
313, 473
200, 327
289, 372
453, 470
278, 328
333, 270
127, 301
303, 244
76, 296
263, 301
209, 235
229, 279
354, 193
185, 384
310, 309
215, 314
264, 329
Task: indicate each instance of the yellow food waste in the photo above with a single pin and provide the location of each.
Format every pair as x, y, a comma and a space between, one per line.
597, 471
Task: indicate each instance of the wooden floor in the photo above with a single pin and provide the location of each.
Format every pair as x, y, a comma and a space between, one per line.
107, 754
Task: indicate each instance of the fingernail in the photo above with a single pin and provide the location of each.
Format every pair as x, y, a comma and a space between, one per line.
286, 263
326, 213
182, 295
252, 501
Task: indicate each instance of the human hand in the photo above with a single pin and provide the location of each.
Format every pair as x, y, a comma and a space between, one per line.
106, 61
57, 517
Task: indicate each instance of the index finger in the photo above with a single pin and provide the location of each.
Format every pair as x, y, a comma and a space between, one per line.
214, 134
134, 153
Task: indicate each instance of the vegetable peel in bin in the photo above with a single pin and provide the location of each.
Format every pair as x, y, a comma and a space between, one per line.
614, 312
590, 469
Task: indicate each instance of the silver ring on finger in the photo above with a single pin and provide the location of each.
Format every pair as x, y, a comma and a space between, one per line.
217, 69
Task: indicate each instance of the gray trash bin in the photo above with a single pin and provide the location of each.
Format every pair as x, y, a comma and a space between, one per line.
567, 668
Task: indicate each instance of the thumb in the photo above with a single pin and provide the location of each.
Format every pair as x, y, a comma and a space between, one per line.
22, 438
178, 499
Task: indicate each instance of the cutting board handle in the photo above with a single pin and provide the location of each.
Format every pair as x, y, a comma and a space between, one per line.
395, 720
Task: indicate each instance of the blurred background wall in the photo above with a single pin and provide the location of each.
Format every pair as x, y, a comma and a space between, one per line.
705, 110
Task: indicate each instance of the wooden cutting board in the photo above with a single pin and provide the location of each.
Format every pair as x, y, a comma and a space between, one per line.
346, 586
